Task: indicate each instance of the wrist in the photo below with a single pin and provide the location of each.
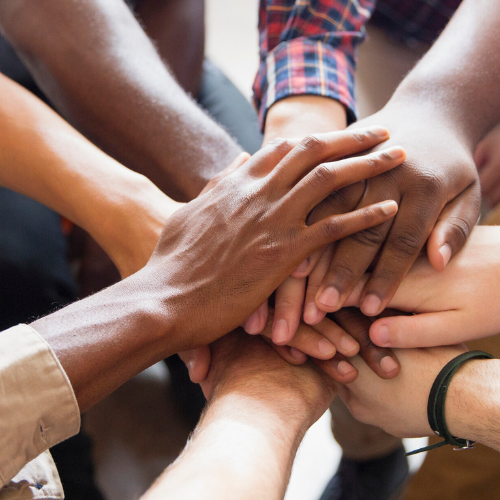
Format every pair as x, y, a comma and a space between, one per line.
129, 222
289, 414
298, 116
267, 420
472, 408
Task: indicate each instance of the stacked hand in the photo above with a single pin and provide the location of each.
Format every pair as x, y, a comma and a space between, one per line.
438, 189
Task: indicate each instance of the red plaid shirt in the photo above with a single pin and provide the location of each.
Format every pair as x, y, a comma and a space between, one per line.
309, 46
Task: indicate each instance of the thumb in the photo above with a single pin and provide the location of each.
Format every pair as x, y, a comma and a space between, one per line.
197, 362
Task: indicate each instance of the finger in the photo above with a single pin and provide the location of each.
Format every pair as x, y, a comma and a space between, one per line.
310, 342
329, 177
288, 303
197, 362
266, 159
314, 149
258, 320
340, 202
336, 227
421, 330
381, 360
453, 227
307, 265
407, 236
344, 272
234, 165
313, 315
338, 369
343, 342
290, 354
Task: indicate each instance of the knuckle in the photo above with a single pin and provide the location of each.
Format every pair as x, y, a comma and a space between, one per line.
406, 242
460, 228
358, 136
312, 143
343, 273
371, 237
286, 304
332, 228
430, 185
374, 160
280, 145
323, 174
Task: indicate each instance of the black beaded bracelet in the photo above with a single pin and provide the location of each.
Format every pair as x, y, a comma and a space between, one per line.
437, 398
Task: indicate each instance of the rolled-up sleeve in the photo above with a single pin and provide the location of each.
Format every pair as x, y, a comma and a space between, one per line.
38, 408
309, 47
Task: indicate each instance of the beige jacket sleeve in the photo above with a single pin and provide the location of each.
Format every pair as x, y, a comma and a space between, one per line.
38, 408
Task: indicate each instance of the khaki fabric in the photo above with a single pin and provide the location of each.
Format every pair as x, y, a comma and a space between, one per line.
38, 480
38, 409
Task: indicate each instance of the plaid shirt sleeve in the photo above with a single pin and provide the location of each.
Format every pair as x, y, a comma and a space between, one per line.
309, 47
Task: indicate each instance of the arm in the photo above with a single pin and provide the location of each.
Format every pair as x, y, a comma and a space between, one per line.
44, 158
322, 35
399, 406
428, 115
439, 181
103, 74
259, 409
197, 287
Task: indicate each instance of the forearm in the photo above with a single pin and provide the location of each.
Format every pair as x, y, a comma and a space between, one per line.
103, 74
44, 158
172, 24
459, 76
472, 408
106, 339
241, 448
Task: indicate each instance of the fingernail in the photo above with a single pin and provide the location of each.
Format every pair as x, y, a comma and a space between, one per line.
303, 267
371, 305
330, 297
280, 331
395, 152
251, 325
389, 207
298, 355
445, 251
348, 344
310, 312
345, 367
378, 131
383, 335
326, 347
388, 364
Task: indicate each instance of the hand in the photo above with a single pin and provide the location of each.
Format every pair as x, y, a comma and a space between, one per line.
321, 342
438, 189
382, 362
250, 368
290, 295
222, 254
142, 218
398, 406
487, 158
455, 305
